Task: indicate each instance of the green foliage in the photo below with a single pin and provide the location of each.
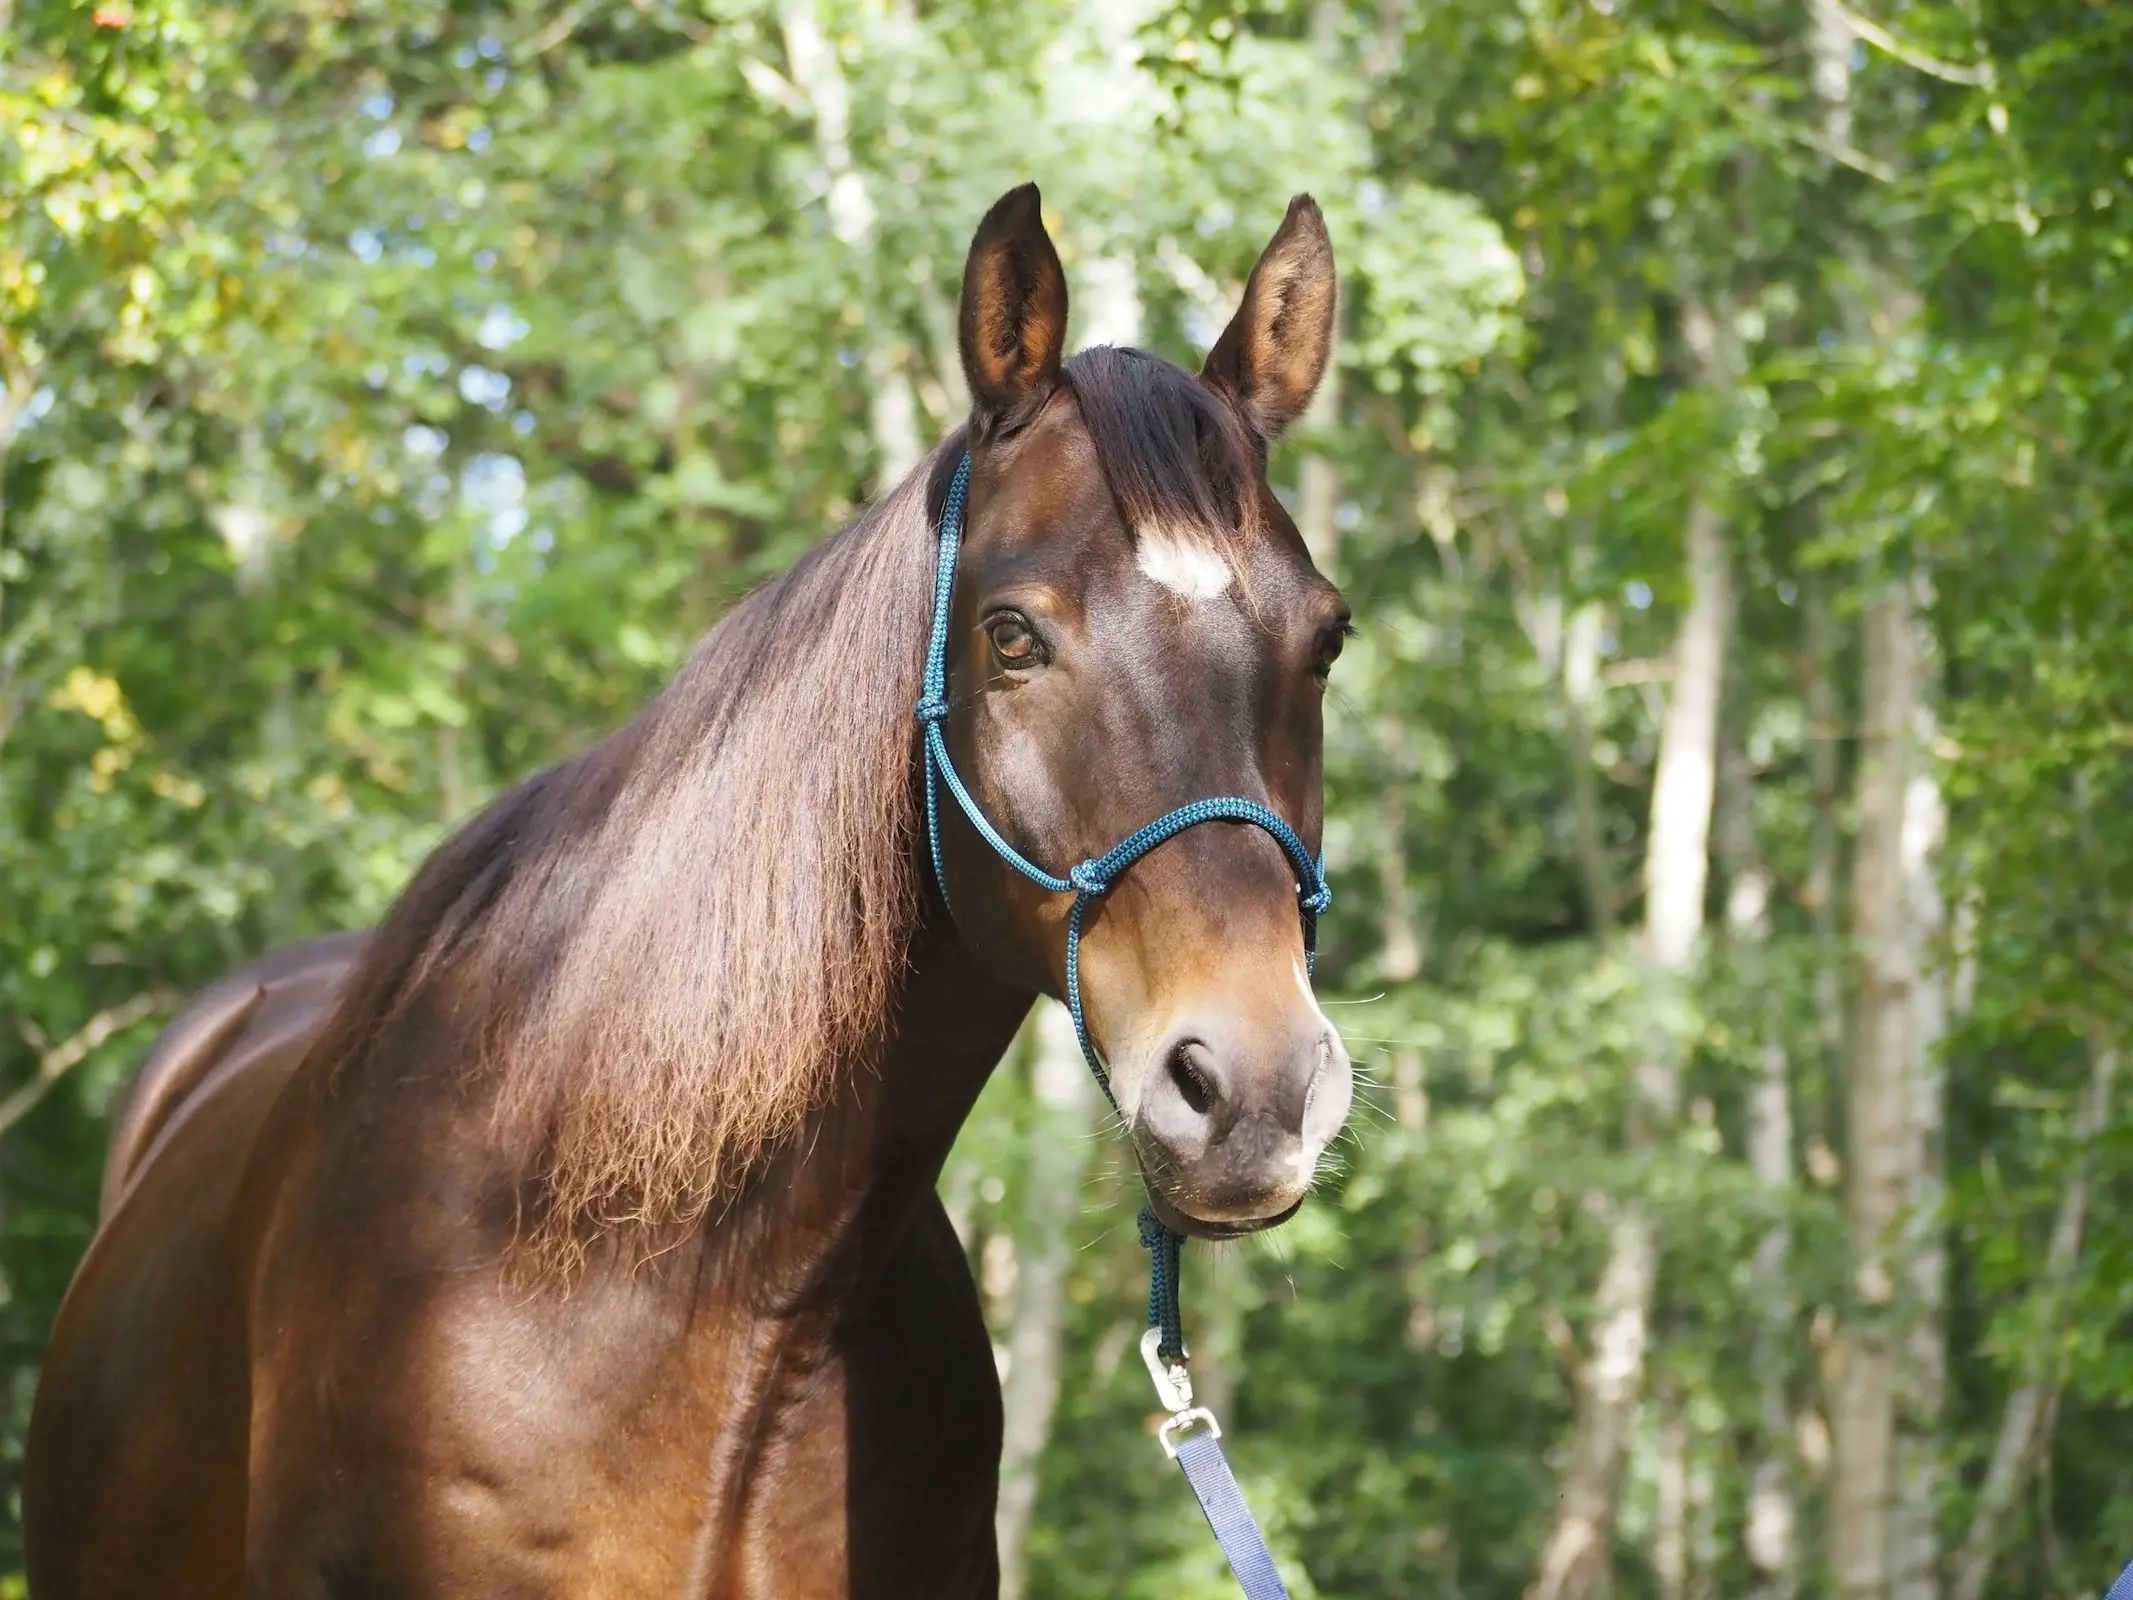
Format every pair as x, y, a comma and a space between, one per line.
392, 393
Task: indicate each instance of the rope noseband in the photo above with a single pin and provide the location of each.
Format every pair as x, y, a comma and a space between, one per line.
1191, 1436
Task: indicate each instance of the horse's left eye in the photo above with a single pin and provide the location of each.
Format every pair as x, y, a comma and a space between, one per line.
1330, 644
1013, 641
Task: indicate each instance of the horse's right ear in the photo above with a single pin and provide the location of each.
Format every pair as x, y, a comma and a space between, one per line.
1014, 315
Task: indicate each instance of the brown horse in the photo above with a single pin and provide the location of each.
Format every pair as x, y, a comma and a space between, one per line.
574, 1234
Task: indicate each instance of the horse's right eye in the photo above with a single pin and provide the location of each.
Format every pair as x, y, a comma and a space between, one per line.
1014, 642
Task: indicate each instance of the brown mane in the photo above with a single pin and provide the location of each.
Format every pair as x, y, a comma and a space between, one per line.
667, 951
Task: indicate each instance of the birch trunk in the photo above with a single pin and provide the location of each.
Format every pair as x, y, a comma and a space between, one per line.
1670, 1535
892, 404
1058, 1150
1863, 1417
16, 389
2024, 1435
1824, 844
1318, 482
1773, 1503
452, 786
1891, 1362
1922, 1385
1581, 715
1830, 43
1883, 1544
1318, 486
1574, 1559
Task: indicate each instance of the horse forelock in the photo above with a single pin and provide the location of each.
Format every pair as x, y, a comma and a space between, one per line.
1178, 459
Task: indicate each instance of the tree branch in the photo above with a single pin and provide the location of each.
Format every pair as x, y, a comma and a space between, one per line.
2025, 1427
55, 1063
1980, 76
1843, 154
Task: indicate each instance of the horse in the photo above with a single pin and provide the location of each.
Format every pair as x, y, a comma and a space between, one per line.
574, 1232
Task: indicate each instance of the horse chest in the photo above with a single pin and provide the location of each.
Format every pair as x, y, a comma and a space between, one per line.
870, 1471
619, 1445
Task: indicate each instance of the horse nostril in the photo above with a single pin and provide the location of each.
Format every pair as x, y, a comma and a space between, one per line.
1192, 1086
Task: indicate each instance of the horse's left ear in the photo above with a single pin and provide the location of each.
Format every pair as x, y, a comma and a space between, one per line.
1014, 315
1271, 356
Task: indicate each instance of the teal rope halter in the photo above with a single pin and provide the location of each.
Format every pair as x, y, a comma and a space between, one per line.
1088, 881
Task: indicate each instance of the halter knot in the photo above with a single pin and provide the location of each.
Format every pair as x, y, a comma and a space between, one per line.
1319, 901
934, 708
1150, 1227
1083, 876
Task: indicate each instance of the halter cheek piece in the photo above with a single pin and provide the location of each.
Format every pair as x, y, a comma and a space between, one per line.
1163, 1347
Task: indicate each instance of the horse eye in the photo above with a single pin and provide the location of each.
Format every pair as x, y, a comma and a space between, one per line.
1329, 648
1013, 641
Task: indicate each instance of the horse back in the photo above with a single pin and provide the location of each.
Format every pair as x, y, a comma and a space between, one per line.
138, 1436
277, 1002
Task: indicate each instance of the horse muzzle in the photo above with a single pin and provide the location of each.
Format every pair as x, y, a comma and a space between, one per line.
1230, 1125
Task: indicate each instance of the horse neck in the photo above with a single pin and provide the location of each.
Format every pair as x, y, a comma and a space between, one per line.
843, 1187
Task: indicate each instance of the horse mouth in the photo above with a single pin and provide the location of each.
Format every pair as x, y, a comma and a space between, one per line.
1192, 1227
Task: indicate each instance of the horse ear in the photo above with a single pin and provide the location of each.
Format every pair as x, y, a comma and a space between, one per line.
1014, 315
1271, 356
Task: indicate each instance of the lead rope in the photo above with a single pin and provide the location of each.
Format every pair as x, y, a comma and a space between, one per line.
1191, 1436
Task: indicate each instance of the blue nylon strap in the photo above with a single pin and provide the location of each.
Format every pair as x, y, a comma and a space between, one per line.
1200, 1454
1215, 1486
2123, 1588
932, 710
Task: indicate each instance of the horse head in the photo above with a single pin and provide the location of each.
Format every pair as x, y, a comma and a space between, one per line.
1135, 625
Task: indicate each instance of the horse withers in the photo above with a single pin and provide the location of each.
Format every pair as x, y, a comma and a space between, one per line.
574, 1233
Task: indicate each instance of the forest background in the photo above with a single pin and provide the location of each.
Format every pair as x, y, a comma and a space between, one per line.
1730, 460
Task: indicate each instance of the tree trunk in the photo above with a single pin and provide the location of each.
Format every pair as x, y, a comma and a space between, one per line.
16, 391
1773, 1504
1107, 301
1581, 714
1891, 1361
1883, 1544
1703, 1522
2024, 1434
1922, 1386
1824, 843
1057, 1152
1676, 865
1574, 1560
1670, 1531
1830, 44
1318, 484
1676, 862
453, 796
892, 406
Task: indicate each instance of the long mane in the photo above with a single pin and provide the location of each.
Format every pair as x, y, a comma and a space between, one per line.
663, 951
